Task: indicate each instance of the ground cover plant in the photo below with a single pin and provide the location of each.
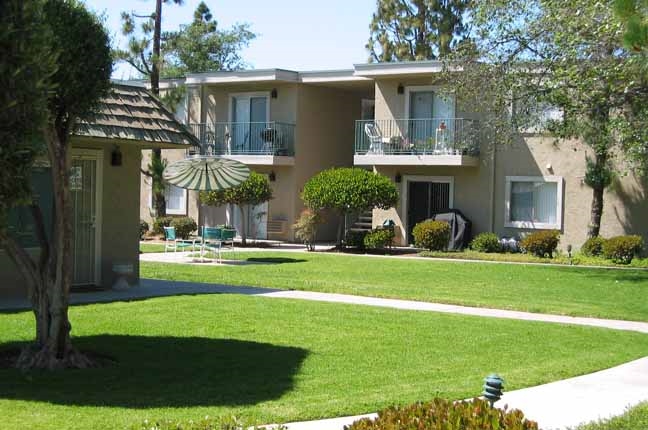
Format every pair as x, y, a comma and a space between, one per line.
273, 360
606, 293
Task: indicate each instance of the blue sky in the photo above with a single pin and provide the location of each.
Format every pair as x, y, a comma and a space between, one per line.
292, 34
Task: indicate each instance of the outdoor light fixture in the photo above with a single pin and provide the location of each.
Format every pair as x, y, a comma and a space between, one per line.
116, 157
398, 178
273, 93
272, 176
493, 388
400, 89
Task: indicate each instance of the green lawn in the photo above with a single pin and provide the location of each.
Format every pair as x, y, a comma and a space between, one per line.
634, 419
606, 293
151, 247
281, 360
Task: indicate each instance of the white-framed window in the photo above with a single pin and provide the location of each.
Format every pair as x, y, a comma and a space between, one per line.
534, 202
176, 200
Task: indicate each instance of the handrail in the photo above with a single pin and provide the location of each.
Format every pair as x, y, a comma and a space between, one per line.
244, 138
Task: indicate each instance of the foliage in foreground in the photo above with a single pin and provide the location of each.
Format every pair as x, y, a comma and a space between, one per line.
379, 238
432, 235
442, 414
622, 249
593, 247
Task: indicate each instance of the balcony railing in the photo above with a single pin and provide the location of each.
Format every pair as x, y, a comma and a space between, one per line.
436, 136
244, 138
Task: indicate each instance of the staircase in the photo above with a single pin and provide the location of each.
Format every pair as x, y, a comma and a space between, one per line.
363, 223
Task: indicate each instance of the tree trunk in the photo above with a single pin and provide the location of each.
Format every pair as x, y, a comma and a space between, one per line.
50, 279
596, 211
243, 226
159, 202
339, 230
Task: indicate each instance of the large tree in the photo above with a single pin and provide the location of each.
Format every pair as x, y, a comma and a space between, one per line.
144, 54
78, 78
407, 30
534, 54
202, 46
634, 14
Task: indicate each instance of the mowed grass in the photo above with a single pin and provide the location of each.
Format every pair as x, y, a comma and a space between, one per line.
604, 293
635, 418
273, 360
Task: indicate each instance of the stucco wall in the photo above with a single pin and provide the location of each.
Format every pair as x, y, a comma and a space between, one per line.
119, 223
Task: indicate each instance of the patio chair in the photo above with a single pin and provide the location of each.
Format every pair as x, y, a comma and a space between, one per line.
171, 242
211, 241
375, 138
227, 239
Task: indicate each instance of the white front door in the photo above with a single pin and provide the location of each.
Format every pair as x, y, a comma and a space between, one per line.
84, 187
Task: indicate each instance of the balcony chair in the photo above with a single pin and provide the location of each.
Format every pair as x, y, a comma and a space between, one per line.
375, 139
171, 242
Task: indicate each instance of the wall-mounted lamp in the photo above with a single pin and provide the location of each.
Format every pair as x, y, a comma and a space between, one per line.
116, 157
272, 176
398, 178
400, 89
273, 93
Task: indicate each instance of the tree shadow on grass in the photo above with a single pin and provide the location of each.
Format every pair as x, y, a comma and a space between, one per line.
275, 260
164, 372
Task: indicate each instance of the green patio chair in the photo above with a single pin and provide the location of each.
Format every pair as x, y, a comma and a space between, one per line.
212, 239
171, 242
227, 237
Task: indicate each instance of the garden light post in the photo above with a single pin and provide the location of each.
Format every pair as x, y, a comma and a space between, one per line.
493, 388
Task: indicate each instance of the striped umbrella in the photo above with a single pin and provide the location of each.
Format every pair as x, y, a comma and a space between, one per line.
206, 173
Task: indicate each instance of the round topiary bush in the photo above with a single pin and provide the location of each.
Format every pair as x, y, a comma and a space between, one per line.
593, 247
432, 235
622, 249
486, 242
541, 243
184, 226
447, 415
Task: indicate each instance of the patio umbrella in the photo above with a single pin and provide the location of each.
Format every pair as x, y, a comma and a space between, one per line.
203, 173
206, 173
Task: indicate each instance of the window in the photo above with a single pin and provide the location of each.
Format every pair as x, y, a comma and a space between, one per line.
533, 202
534, 116
176, 200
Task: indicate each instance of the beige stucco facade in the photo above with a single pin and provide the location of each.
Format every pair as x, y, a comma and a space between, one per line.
116, 223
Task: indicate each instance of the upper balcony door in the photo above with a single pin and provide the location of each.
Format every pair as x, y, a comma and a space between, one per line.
427, 109
249, 119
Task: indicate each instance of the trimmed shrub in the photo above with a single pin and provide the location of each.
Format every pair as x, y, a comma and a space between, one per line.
306, 227
379, 238
160, 222
355, 238
541, 243
622, 249
593, 247
442, 414
486, 242
184, 226
144, 227
432, 235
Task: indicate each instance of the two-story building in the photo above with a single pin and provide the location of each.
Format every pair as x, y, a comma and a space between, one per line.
399, 120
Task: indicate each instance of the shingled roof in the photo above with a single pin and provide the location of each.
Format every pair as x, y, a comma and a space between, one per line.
132, 113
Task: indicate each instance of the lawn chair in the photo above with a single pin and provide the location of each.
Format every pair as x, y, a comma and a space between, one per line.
171, 242
227, 239
212, 240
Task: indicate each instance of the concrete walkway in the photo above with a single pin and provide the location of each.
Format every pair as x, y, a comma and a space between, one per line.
557, 405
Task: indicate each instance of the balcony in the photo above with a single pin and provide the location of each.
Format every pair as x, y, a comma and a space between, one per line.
423, 142
256, 143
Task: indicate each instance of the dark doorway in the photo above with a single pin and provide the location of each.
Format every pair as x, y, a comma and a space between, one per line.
424, 199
